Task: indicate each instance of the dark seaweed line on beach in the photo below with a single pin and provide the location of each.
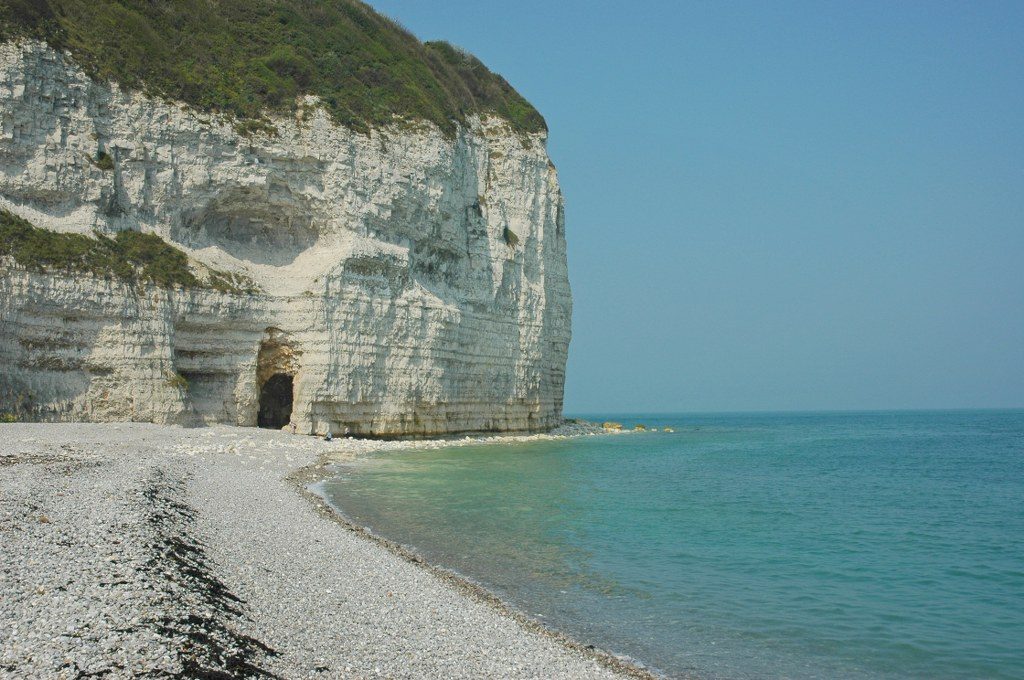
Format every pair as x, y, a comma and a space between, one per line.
198, 627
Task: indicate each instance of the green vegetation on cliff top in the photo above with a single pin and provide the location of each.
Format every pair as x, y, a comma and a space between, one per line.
130, 256
247, 57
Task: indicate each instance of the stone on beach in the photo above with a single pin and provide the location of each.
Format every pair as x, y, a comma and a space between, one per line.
189, 551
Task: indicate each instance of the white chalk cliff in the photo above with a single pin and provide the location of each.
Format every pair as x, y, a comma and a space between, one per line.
410, 282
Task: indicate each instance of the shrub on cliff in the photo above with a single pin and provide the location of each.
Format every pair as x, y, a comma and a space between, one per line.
104, 161
511, 238
247, 57
128, 255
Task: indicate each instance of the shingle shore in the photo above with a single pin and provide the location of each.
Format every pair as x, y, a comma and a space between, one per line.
135, 550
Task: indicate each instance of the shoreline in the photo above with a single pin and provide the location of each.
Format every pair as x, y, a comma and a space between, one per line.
305, 480
210, 545
310, 476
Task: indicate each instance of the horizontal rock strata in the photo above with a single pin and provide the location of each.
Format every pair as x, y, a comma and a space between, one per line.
406, 281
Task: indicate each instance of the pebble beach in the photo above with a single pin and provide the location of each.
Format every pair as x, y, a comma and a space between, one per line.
135, 550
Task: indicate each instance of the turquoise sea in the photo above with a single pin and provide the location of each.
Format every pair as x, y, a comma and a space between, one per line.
818, 545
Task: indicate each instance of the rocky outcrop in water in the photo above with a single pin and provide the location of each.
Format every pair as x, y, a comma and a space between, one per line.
400, 281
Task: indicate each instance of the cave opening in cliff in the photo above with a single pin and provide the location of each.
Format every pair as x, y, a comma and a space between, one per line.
276, 402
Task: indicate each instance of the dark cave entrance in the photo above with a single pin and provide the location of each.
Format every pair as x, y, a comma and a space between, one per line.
276, 402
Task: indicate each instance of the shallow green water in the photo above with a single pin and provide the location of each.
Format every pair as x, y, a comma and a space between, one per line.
813, 545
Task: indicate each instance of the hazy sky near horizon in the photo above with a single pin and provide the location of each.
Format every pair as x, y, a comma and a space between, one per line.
777, 205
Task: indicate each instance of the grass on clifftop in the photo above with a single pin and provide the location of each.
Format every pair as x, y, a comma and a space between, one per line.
130, 256
248, 57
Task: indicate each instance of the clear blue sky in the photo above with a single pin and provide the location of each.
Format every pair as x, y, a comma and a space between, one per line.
772, 205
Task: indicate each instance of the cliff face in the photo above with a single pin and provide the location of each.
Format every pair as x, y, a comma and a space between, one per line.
404, 280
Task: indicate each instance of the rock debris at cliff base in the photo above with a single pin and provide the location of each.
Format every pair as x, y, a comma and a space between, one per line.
145, 551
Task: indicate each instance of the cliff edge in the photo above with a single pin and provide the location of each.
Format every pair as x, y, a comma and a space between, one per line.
373, 249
